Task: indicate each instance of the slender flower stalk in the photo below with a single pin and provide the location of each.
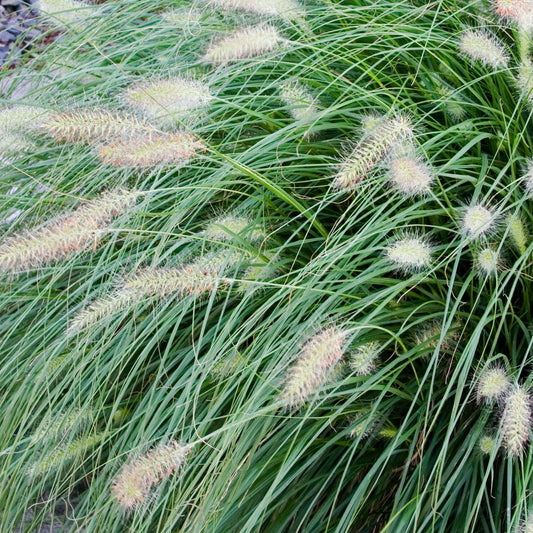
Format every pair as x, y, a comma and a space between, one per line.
160, 149
481, 46
409, 254
198, 277
318, 357
92, 125
516, 420
132, 485
172, 97
492, 384
371, 150
65, 235
287, 9
245, 43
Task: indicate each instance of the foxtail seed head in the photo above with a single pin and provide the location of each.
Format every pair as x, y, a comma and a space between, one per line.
65, 235
518, 233
160, 149
363, 358
172, 97
244, 44
481, 46
227, 227
492, 384
22, 119
478, 220
298, 99
409, 254
526, 525
133, 483
63, 13
317, 358
516, 420
92, 125
488, 261
513, 9
410, 175
371, 150
487, 444
287, 9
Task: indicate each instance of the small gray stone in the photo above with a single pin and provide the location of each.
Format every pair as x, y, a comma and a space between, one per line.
6, 36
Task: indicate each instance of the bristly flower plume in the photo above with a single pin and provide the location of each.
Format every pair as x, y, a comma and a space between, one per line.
160, 149
245, 43
133, 483
92, 125
371, 150
480, 46
287, 9
63, 13
172, 97
492, 384
364, 357
227, 227
22, 119
478, 220
410, 253
516, 420
410, 175
317, 358
298, 99
487, 444
65, 235
488, 261
518, 233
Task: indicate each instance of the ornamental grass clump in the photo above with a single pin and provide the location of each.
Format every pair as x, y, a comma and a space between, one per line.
371, 150
316, 360
132, 485
171, 97
245, 43
66, 235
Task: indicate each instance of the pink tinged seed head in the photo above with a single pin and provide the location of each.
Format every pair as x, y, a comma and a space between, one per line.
410, 176
317, 358
92, 125
478, 220
409, 254
513, 9
492, 384
160, 149
173, 96
132, 486
516, 420
245, 43
66, 235
481, 46
371, 150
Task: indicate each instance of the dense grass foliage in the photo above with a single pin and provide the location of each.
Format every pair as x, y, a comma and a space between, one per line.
314, 315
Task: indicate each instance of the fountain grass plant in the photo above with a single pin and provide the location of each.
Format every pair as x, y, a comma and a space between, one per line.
404, 445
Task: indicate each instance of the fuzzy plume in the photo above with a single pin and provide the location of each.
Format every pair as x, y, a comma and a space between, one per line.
481, 46
410, 175
492, 384
363, 358
410, 253
298, 98
92, 125
243, 44
161, 149
63, 13
287, 9
132, 485
516, 420
200, 276
371, 150
174, 97
65, 235
227, 227
22, 119
478, 220
487, 444
317, 358
488, 261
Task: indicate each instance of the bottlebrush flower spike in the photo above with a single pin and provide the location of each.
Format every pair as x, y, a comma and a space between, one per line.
410, 175
168, 97
481, 46
22, 119
287, 9
14, 145
133, 484
516, 420
478, 220
63, 13
245, 43
227, 227
161, 149
410, 253
487, 444
299, 100
526, 525
193, 279
92, 125
371, 150
363, 358
492, 384
429, 333
513, 9
317, 358
488, 261
65, 235
518, 233
527, 179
